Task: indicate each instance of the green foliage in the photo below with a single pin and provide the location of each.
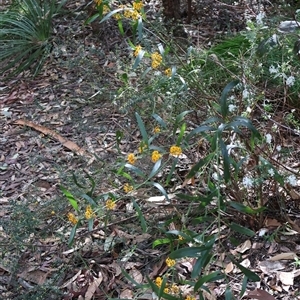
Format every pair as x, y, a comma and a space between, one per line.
25, 35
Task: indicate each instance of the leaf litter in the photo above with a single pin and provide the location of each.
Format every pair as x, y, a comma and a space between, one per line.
30, 175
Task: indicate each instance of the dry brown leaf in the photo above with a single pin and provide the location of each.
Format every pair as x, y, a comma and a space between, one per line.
136, 275
244, 247
126, 294
283, 256
260, 295
66, 143
93, 287
287, 278
36, 276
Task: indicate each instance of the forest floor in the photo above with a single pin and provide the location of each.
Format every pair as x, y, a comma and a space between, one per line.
65, 121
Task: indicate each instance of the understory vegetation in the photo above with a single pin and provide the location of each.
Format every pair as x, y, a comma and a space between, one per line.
204, 162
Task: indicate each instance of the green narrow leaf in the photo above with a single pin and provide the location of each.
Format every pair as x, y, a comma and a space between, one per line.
76, 182
226, 162
138, 59
91, 19
89, 199
217, 275
161, 189
136, 170
110, 14
70, 197
159, 120
72, 235
202, 162
181, 134
159, 242
141, 216
155, 169
228, 294
171, 172
142, 128
120, 26
140, 28
251, 275
244, 208
241, 229
93, 184
91, 224
224, 96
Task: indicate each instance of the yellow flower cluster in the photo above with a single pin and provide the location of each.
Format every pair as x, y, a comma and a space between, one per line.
98, 2
168, 72
170, 262
156, 129
131, 14
137, 50
131, 158
138, 5
155, 156
128, 188
158, 281
89, 213
156, 60
174, 289
117, 16
72, 219
110, 204
106, 9
190, 298
175, 150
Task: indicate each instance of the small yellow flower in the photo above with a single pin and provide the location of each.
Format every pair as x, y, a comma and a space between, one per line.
128, 188
156, 129
174, 289
155, 156
98, 2
137, 50
158, 281
106, 9
135, 15
180, 237
166, 290
89, 213
170, 262
110, 204
190, 298
156, 60
127, 13
175, 150
72, 219
168, 72
52, 212
131, 158
117, 16
138, 5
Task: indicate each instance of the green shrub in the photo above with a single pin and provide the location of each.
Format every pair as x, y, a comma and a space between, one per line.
25, 36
